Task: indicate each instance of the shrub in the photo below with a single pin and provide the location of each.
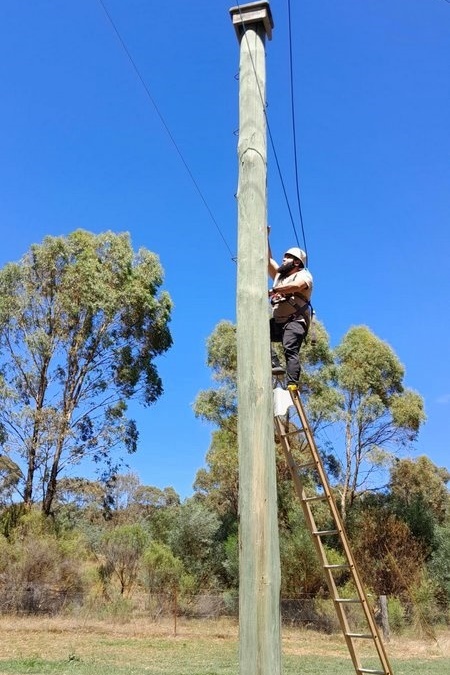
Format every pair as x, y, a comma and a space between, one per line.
425, 611
396, 614
38, 576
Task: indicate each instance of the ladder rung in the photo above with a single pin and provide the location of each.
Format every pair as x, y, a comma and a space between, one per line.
292, 433
306, 465
363, 636
312, 460
316, 498
341, 566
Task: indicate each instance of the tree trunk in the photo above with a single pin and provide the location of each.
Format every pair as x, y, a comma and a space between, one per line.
385, 618
32, 452
50, 489
348, 466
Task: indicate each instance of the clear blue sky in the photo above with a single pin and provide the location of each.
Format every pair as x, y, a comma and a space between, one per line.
81, 146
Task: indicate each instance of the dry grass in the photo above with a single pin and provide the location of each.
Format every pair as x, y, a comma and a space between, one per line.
60, 636
401, 648
144, 646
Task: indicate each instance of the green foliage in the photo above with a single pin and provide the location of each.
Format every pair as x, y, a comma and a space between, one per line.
420, 497
10, 474
122, 549
4, 553
420, 481
118, 609
10, 517
192, 540
396, 614
219, 404
218, 485
82, 493
81, 322
368, 366
301, 573
439, 564
390, 559
323, 400
378, 415
425, 611
222, 357
317, 353
120, 491
358, 387
419, 517
163, 570
39, 571
407, 411
150, 498
165, 575
160, 523
231, 562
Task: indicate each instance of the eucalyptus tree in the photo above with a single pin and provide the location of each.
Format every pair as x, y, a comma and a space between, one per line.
193, 539
353, 394
420, 496
439, 563
9, 478
420, 480
218, 483
82, 319
121, 549
378, 414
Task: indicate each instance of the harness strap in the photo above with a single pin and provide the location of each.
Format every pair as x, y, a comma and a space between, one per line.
307, 316
301, 310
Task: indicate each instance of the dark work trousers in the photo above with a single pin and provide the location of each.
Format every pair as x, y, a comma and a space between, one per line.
291, 335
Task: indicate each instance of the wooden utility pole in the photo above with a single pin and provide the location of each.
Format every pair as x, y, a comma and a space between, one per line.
259, 558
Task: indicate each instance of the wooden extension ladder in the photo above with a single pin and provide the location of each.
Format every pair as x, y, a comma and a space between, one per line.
355, 639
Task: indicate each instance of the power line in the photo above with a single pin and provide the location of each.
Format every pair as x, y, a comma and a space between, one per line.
269, 131
163, 122
297, 183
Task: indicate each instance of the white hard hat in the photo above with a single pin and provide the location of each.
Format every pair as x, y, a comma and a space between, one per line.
297, 253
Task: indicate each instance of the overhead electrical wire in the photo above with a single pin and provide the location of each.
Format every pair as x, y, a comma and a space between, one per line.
163, 122
297, 182
272, 143
275, 154
264, 106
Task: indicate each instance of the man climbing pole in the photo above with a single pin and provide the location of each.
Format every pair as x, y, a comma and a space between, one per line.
291, 310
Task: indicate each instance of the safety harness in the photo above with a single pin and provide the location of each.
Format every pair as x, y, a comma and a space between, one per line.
300, 311
306, 311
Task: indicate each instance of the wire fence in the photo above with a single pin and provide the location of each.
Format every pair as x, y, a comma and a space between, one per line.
44, 599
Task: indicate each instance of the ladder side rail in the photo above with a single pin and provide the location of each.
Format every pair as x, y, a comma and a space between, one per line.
344, 622
312, 526
332, 502
342, 534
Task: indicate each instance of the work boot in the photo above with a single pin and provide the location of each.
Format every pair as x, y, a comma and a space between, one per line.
278, 370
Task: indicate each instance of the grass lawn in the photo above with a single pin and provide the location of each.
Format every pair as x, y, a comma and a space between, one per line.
87, 647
